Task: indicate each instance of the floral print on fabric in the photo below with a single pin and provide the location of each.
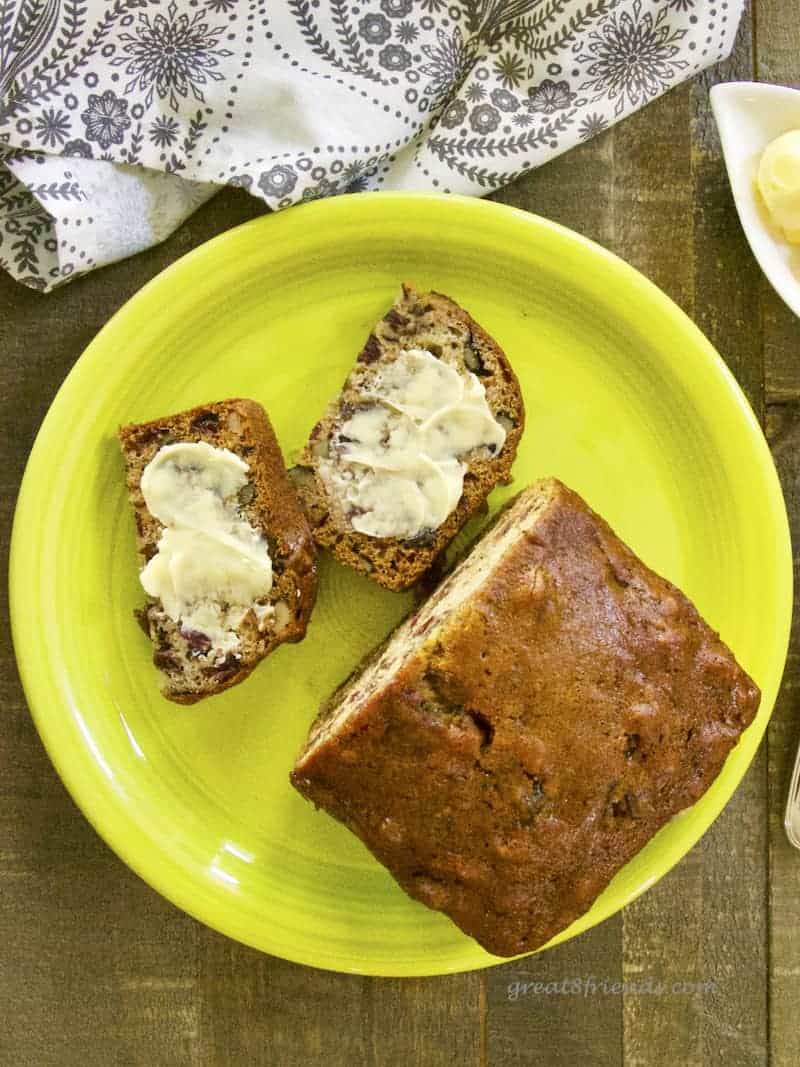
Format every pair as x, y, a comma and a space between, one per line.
112, 107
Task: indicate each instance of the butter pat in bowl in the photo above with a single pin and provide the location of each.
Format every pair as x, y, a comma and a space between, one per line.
778, 183
759, 127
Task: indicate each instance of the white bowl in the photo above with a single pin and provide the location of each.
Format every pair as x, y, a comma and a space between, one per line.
749, 116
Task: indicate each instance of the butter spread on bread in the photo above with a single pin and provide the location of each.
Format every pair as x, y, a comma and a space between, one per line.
226, 555
426, 424
211, 566
396, 463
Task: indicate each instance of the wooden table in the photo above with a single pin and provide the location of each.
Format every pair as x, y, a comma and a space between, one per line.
96, 969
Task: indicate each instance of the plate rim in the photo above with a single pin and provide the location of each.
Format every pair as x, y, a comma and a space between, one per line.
114, 823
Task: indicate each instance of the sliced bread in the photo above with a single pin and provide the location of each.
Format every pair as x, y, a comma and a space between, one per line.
228, 560
426, 425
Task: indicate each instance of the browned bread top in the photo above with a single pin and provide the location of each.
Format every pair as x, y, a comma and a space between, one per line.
269, 503
531, 727
436, 324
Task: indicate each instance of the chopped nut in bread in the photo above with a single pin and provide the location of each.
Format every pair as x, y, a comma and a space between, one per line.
426, 425
228, 561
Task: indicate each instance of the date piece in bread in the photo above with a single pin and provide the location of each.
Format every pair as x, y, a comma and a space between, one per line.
529, 729
192, 667
434, 324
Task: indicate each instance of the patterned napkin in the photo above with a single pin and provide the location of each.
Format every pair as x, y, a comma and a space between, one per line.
119, 117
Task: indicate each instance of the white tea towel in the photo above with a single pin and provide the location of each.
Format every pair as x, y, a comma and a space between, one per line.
119, 117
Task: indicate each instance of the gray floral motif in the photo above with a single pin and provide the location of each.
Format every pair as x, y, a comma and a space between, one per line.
484, 119
106, 119
394, 57
79, 148
353, 171
631, 57
592, 125
454, 114
490, 88
358, 185
375, 29
407, 32
505, 100
338, 41
324, 187
549, 96
164, 131
397, 9
52, 127
465, 155
523, 118
510, 69
34, 283
172, 55
278, 181
241, 181
449, 62
26, 227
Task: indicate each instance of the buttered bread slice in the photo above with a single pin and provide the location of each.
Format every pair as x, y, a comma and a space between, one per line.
426, 425
228, 562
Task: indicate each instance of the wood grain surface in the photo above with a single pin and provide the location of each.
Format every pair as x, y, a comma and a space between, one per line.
97, 970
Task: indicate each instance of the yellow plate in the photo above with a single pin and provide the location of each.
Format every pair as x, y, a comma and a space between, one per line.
627, 403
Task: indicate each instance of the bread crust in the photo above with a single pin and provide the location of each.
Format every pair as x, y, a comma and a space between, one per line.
539, 737
435, 322
243, 427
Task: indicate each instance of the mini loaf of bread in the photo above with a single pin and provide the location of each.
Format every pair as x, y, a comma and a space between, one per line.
227, 555
426, 425
529, 729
